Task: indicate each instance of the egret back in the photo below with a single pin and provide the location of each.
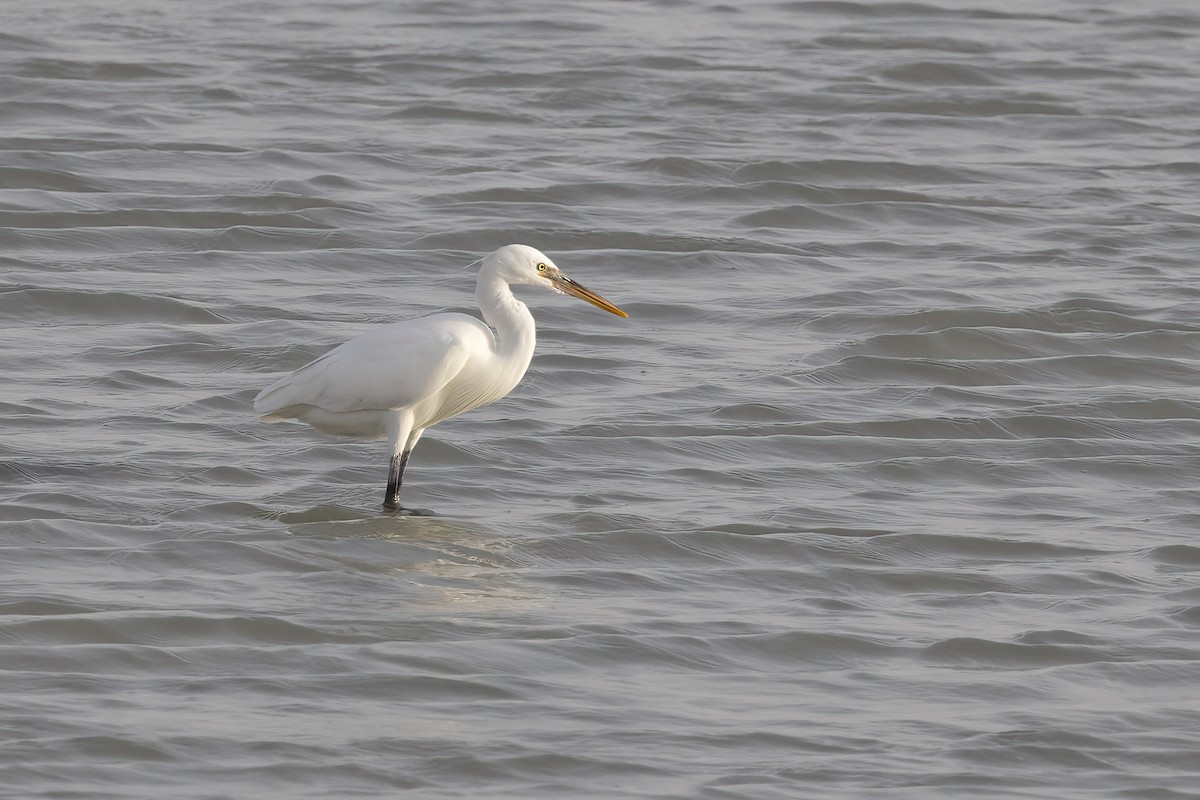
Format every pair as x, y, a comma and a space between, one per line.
396, 366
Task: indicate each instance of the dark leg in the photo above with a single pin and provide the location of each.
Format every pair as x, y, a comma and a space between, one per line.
391, 498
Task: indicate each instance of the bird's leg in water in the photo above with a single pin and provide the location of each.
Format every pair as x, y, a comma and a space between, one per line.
391, 498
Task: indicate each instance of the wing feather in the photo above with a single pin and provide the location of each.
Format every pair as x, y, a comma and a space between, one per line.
393, 366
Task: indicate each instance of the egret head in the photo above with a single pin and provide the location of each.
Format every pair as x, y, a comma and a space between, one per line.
518, 263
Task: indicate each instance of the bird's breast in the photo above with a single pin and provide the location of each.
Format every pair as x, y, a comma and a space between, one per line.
476, 385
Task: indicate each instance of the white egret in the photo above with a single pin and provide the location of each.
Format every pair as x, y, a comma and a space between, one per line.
399, 379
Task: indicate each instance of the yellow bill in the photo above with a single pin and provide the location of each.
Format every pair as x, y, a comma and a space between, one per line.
568, 286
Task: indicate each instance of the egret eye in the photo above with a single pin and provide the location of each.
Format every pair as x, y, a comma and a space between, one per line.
541, 267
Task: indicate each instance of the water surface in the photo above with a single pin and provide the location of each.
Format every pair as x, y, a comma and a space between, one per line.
888, 486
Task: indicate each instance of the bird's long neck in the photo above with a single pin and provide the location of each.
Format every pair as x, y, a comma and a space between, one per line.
516, 333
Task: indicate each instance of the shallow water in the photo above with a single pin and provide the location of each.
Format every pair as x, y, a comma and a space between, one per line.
888, 486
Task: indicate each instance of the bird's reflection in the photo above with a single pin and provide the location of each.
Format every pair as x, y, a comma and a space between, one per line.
449, 560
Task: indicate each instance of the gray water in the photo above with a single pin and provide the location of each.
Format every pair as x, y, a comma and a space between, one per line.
888, 487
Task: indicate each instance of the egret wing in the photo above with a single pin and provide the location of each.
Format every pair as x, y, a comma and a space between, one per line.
391, 367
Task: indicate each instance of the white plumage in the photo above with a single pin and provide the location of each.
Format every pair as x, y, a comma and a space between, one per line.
399, 379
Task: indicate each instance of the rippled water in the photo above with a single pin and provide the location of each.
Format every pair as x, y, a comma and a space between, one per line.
888, 487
